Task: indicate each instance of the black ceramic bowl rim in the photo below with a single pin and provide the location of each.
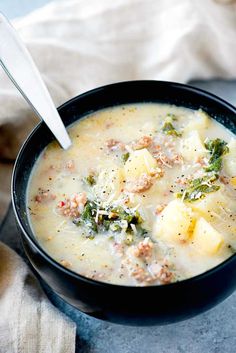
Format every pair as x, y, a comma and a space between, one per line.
69, 272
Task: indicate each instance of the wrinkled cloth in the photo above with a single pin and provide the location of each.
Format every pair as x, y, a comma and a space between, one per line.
28, 322
78, 45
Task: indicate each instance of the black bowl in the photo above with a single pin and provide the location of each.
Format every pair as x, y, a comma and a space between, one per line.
124, 304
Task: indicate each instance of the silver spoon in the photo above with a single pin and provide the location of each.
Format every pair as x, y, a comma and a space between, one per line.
20, 68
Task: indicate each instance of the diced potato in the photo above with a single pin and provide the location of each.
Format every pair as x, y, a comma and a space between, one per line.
213, 205
206, 239
200, 123
109, 183
192, 147
230, 159
139, 162
175, 223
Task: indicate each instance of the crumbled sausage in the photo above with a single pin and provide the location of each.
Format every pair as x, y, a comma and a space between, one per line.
177, 159
44, 196
224, 179
70, 165
143, 142
167, 161
157, 147
73, 206
119, 249
140, 274
143, 183
182, 181
165, 275
66, 263
202, 161
113, 144
163, 159
144, 249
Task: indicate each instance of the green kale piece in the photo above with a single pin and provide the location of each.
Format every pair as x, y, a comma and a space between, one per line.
115, 227
125, 157
168, 127
198, 188
141, 231
110, 221
88, 216
215, 166
217, 149
90, 180
106, 224
121, 214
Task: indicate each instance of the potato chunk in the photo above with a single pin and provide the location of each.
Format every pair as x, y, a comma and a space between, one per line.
175, 223
213, 205
230, 159
109, 183
192, 147
138, 163
200, 123
206, 239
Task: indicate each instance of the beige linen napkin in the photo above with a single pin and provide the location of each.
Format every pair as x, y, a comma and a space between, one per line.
28, 322
78, 45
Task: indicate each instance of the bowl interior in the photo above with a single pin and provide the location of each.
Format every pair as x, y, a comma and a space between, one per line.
107, 96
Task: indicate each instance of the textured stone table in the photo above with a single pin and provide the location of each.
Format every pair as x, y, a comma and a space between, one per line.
211, 332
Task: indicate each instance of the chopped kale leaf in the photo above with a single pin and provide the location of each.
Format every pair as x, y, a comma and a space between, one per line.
142, 231
88, 216
114, 219
90, 180
168, 127
217, 149
121, 214
125, 157
215, 166
198, 188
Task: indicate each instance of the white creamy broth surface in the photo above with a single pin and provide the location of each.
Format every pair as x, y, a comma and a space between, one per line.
146, 195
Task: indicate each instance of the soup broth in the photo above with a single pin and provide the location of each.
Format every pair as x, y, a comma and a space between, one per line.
146, 195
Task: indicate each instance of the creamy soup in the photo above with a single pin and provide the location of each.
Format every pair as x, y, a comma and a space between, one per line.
146, 195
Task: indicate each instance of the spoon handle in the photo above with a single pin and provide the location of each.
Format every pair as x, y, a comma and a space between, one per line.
19, 66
